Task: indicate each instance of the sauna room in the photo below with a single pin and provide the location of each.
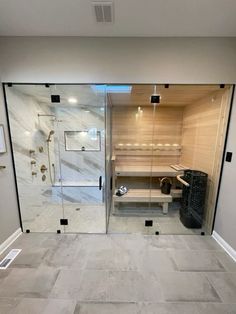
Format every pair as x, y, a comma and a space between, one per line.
167, 149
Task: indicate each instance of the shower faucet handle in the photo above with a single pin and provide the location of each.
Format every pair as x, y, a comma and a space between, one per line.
43, 168
34, 173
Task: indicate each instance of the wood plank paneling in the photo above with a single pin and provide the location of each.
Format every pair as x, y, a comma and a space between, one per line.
204, 126
163, 126
175, 95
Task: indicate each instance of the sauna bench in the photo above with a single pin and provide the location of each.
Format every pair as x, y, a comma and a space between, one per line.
145, 171
143, 196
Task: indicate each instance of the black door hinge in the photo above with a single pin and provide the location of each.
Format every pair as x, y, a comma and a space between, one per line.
148, 223
64, 222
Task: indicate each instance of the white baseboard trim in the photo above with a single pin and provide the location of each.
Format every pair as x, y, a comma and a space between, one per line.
10, 240
228, 249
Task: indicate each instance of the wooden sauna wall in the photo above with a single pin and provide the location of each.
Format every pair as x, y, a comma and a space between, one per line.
203, 136
164, 127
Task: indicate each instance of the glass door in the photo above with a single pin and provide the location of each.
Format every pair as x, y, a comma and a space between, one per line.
35, 139
81, 126
58, 138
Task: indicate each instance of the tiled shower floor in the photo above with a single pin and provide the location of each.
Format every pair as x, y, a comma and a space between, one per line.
81, 218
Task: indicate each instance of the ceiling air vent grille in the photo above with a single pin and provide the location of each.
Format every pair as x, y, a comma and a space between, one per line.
103, 12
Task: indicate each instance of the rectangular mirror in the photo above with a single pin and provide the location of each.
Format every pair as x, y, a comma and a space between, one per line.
89, 140
3, 147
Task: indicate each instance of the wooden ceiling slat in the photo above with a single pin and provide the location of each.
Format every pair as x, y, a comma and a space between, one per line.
175, 95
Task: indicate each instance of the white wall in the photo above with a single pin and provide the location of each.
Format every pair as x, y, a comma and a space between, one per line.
9, 215
115, 60
135, 60
226, 211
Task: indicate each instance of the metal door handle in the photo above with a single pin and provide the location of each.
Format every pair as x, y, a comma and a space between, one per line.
2, 167
100, 183
111, 183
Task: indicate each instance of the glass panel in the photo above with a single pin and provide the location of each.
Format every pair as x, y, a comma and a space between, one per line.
186, 142
132, 126
165, 189
34, 134
109, 177
83, 164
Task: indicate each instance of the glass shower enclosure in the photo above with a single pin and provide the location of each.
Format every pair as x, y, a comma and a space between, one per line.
59, 147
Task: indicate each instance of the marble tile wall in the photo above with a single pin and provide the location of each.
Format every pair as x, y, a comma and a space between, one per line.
78, 166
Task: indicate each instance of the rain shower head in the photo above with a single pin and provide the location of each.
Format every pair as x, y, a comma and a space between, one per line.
49, 135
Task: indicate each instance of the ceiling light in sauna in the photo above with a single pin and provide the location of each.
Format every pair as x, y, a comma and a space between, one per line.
72, 100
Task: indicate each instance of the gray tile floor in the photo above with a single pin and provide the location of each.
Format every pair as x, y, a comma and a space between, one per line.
114, 274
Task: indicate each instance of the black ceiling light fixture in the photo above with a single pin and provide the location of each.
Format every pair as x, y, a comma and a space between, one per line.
55, 98
155, 98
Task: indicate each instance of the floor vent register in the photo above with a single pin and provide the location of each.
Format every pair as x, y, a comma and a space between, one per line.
9, 258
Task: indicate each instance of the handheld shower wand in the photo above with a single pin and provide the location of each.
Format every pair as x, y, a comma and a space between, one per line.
49, 135
49, 159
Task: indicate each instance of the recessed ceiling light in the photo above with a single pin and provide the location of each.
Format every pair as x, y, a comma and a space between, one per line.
72, 100
87, 111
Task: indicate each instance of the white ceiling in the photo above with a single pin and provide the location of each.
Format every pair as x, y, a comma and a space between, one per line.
132, 18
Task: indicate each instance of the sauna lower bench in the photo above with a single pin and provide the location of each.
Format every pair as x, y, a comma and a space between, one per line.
144, 195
